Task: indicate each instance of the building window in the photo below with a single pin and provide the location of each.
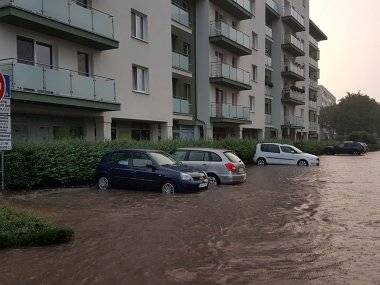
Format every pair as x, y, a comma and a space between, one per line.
234, 99
140, 79
268, 106
252, 103
139, 26
141, 135
83, 63
31, 52
254, 72
255, 42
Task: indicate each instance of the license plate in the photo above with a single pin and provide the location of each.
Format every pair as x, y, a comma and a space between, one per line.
203, 185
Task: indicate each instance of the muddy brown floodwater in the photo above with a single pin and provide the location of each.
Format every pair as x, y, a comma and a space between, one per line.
286, 225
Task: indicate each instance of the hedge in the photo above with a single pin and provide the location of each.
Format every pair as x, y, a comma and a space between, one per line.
21, 229
71, 163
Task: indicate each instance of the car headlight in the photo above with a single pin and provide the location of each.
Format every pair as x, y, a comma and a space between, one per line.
186, 177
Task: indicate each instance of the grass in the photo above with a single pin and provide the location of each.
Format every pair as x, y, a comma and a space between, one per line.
21, 229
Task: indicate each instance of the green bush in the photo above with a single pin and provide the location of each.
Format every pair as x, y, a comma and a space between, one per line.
71, 163
362, 137
21, 229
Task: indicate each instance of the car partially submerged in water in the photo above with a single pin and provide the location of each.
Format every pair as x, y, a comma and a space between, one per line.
348, 147
283, 154
148, 170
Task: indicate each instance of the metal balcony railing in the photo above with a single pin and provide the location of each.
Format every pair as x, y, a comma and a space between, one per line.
180, 16
222, 29
229, 111
290, 11
268, 120
275, 6
313, 41
290, 39
313, 104
246, 4
292, 120
268, 31
291, 94
181, 106
223, 70
268, 61
180, 61
49, 80
68, 12
295, 68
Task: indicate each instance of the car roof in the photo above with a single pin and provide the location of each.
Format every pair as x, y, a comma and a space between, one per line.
203, 149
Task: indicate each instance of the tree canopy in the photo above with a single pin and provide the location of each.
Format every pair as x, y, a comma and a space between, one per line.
355, 112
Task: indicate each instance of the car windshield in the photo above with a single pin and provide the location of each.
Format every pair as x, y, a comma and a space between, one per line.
296, 149
163, 159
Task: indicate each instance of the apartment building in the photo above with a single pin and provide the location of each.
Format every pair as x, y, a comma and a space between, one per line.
142, 69
325, 99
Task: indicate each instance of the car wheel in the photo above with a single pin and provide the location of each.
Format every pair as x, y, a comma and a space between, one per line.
261, 162
355, 153
213, 180
302, 162
103, 183
168, 188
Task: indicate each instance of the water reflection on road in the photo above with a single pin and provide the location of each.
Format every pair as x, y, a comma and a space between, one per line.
286, 225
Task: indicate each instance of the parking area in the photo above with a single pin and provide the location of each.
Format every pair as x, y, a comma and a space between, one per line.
288, 225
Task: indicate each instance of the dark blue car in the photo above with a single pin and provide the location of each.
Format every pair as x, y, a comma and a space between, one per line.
148, 170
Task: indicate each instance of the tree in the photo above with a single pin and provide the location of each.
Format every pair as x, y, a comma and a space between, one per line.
356, 112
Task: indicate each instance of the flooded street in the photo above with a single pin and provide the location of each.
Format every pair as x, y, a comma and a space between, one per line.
286, 225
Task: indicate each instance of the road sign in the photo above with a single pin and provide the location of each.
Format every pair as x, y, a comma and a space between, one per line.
5, 113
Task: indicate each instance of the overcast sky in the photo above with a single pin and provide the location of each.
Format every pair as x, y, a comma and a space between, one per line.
350, 59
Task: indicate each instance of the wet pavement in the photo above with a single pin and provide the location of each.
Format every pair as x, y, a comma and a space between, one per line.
286, 225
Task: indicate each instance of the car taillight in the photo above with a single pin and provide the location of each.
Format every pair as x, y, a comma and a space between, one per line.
230, 167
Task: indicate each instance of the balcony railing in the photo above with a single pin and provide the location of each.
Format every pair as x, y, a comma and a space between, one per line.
313, 62
181, 106
222, 29
313, 104
180, 61
293, 95
294, 68
70, 13
291, 13
268, 31
53, 81
313, 41
268, 91
290, 120
180, 16
292, 40
229, 111
268, 61
313, 83
275, 6
268, 120
313, 126
246, 4
223, 70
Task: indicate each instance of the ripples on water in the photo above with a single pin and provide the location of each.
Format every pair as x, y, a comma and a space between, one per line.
286, 225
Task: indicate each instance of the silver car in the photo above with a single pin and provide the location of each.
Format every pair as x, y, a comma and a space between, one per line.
222, 166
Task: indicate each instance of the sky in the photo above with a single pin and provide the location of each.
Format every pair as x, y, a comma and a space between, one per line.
350, 58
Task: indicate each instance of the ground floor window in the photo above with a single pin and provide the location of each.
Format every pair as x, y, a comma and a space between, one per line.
63, 132
141, 135
181, 132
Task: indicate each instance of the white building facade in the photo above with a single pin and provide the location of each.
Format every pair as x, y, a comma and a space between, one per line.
151, 70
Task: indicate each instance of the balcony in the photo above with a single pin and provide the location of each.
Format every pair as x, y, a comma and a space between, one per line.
268, 91
274, 8
293, 71
228, 113
293, 45
181, 64
313, 84
313, 63
229, 76
181, 106
314, 42
64, 19
294, 122
240, 9
294, 96
58, 86
230, 39
268, 120
181, 16
313, 127
293, 19
268, 61
269, 32
313, 105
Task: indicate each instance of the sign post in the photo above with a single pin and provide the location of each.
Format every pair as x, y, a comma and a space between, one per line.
5, 122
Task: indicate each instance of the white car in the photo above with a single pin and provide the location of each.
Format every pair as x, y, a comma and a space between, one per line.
273, 153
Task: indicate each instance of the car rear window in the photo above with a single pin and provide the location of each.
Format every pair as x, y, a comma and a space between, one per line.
270, 148
232, 157
213, 157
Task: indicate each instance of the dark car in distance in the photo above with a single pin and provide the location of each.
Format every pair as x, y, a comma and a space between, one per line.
148, 170
348, 147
